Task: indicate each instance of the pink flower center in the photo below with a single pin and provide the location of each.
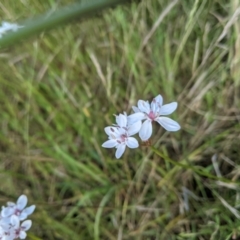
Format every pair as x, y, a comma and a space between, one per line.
17, 212
151, 115
17, 232
123, 138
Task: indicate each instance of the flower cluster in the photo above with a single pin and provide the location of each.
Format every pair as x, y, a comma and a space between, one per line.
120, 134
6, 27
11, 216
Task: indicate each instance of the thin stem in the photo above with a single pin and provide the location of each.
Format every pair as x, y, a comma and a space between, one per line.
48, 21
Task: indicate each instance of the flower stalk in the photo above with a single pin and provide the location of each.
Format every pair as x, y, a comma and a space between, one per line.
49, 21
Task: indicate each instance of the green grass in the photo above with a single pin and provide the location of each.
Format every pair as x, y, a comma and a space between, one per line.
59, 89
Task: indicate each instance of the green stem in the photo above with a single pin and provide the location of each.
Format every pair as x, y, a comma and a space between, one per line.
48, 21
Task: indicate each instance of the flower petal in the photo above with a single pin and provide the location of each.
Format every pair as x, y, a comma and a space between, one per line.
11, 204
7, 211
15, 221
168, 108
146, 130
120, 150
121, 120
22, 202
135, 117
22, 235
134, 128
169, 124
159, 99
154, 105
27, 211
26, 225
144, 106
22, 216
110, 131
110, 143
132, 142
135, 109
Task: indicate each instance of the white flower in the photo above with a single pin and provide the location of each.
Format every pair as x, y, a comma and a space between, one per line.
10, 26
120, 134
153, 112
17, 209
6, 26
20, 230
11, 216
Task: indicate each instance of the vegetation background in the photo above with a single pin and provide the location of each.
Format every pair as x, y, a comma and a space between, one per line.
59, 89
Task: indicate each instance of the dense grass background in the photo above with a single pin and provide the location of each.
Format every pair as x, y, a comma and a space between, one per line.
59, 89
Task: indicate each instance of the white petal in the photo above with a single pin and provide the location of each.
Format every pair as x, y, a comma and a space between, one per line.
22, 235
120, 150
7, 211
134, 128
144, 106
22, 202
11, 204
29, 210
22, 216
111, 131
168, 108
135, 109
146, 130
132, 142
7, 237
154, 105
110, 143
135, 117
121, 120
4, 222
169, 124
26, 225
15, 221
159, 99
